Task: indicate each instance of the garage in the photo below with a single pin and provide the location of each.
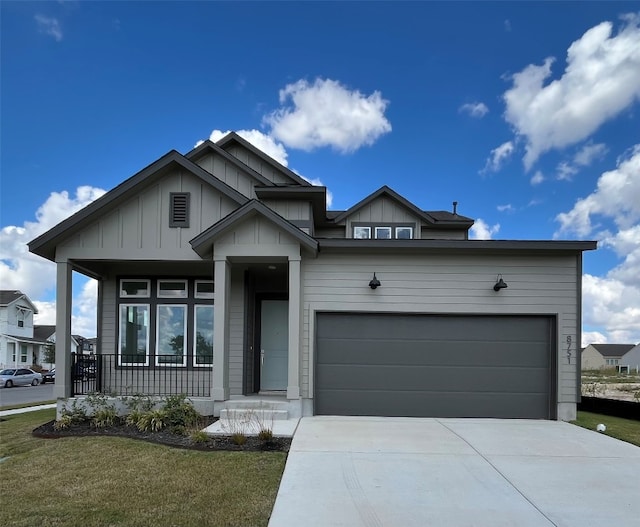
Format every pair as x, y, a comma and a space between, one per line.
435, 365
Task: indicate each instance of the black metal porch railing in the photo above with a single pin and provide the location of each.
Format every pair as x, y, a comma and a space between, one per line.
103, 373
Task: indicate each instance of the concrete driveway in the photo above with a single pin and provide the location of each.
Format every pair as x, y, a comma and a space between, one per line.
387, 472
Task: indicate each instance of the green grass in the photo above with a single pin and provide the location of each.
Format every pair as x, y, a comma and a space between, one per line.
107, 481
624, 429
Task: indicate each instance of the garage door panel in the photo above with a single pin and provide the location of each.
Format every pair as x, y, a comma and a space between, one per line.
389, 351
431, 379
419, 404
433, 365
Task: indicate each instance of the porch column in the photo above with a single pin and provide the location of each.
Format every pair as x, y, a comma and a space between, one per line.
293, 383
62, 388
222, 287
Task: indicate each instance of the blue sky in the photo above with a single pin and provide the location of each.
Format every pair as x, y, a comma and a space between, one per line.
527, 114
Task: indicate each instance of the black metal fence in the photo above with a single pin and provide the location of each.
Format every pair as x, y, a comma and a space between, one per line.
104, 373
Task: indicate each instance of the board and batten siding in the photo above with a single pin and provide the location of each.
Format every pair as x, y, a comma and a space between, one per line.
439, 284
289, 209
139, 227
380, 211
258, 164
236, 332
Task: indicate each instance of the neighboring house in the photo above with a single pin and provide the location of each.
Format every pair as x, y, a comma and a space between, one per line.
600, 356
222, 275
631, 359
47, 334
18, 346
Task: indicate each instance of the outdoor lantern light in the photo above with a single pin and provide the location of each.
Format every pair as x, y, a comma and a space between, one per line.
500, 284
375, 282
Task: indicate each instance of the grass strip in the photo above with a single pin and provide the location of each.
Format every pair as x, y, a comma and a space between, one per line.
624, 429
98, 481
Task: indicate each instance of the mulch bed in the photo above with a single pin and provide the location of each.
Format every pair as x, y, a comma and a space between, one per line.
164, 437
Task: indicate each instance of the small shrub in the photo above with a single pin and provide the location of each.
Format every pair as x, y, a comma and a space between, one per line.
74, 415
199, 436
138, 403
265, 434
152, 421
104, 417
239, 438
180, 412
64, 422
133, 418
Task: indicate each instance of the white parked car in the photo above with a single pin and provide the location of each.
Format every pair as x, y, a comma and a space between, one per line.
19, 377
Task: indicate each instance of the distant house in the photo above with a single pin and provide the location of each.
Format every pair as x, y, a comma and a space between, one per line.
599, 356
47, 334
19, 347
631, 359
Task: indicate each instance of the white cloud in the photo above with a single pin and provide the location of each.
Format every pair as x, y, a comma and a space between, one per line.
617, 196
498, 157
589, 153
49, 26
326, 113
600, 81
20, 269
566, 171
474, 109
260, 140
537, 178
506, 208
592, 337
612, 301
480, 230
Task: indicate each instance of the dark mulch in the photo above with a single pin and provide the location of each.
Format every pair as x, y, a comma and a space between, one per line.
164, 437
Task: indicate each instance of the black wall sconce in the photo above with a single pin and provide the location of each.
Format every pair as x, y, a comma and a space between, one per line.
374, 282
500, 284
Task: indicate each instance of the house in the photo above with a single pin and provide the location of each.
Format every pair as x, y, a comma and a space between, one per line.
47, 334
630, 361
19, 348
599, 356
221, 274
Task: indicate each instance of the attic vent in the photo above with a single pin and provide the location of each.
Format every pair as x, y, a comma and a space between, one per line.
179, 212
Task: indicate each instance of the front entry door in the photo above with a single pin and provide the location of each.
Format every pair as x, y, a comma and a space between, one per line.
274, 344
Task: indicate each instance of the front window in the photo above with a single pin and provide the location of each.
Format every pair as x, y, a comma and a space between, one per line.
134, 334
203, 342
12, 350
135, 288
171, 331
362, 233
172, 289
23, 353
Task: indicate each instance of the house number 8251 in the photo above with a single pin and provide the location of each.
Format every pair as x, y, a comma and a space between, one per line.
569, 348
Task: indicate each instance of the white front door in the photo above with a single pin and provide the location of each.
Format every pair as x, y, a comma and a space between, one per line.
274, 344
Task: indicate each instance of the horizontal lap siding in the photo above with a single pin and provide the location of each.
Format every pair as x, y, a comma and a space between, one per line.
461, 284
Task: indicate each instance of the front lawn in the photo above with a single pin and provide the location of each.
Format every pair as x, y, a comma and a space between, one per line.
98, 481
624, 429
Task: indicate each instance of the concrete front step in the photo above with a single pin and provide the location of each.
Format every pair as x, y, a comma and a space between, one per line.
281, 428
261, 415
256, 404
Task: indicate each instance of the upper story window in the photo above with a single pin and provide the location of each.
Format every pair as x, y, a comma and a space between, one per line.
383, 232
179, 209
135, 288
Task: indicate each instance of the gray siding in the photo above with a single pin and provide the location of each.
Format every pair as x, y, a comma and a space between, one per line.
139, 228
290, 210
229, 173
445, 284
258, 164
236, 332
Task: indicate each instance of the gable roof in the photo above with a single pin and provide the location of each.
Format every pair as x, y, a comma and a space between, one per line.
439, 218
43, 332
612, 350
208, 146
44, 245
233, 137
8, 297
201, 244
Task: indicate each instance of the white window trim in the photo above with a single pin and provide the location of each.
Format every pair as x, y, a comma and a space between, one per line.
203, 295
123, 293
185, 290
184, 333
410, 233
384, 228
195, 333
146, 357
364, 228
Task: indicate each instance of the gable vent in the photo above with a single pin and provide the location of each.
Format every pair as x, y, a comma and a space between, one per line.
179, 213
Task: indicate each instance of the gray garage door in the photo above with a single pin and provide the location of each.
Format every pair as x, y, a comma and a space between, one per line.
434, 366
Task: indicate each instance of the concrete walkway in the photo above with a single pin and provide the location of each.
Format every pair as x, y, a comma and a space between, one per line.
387, 472
26, 409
